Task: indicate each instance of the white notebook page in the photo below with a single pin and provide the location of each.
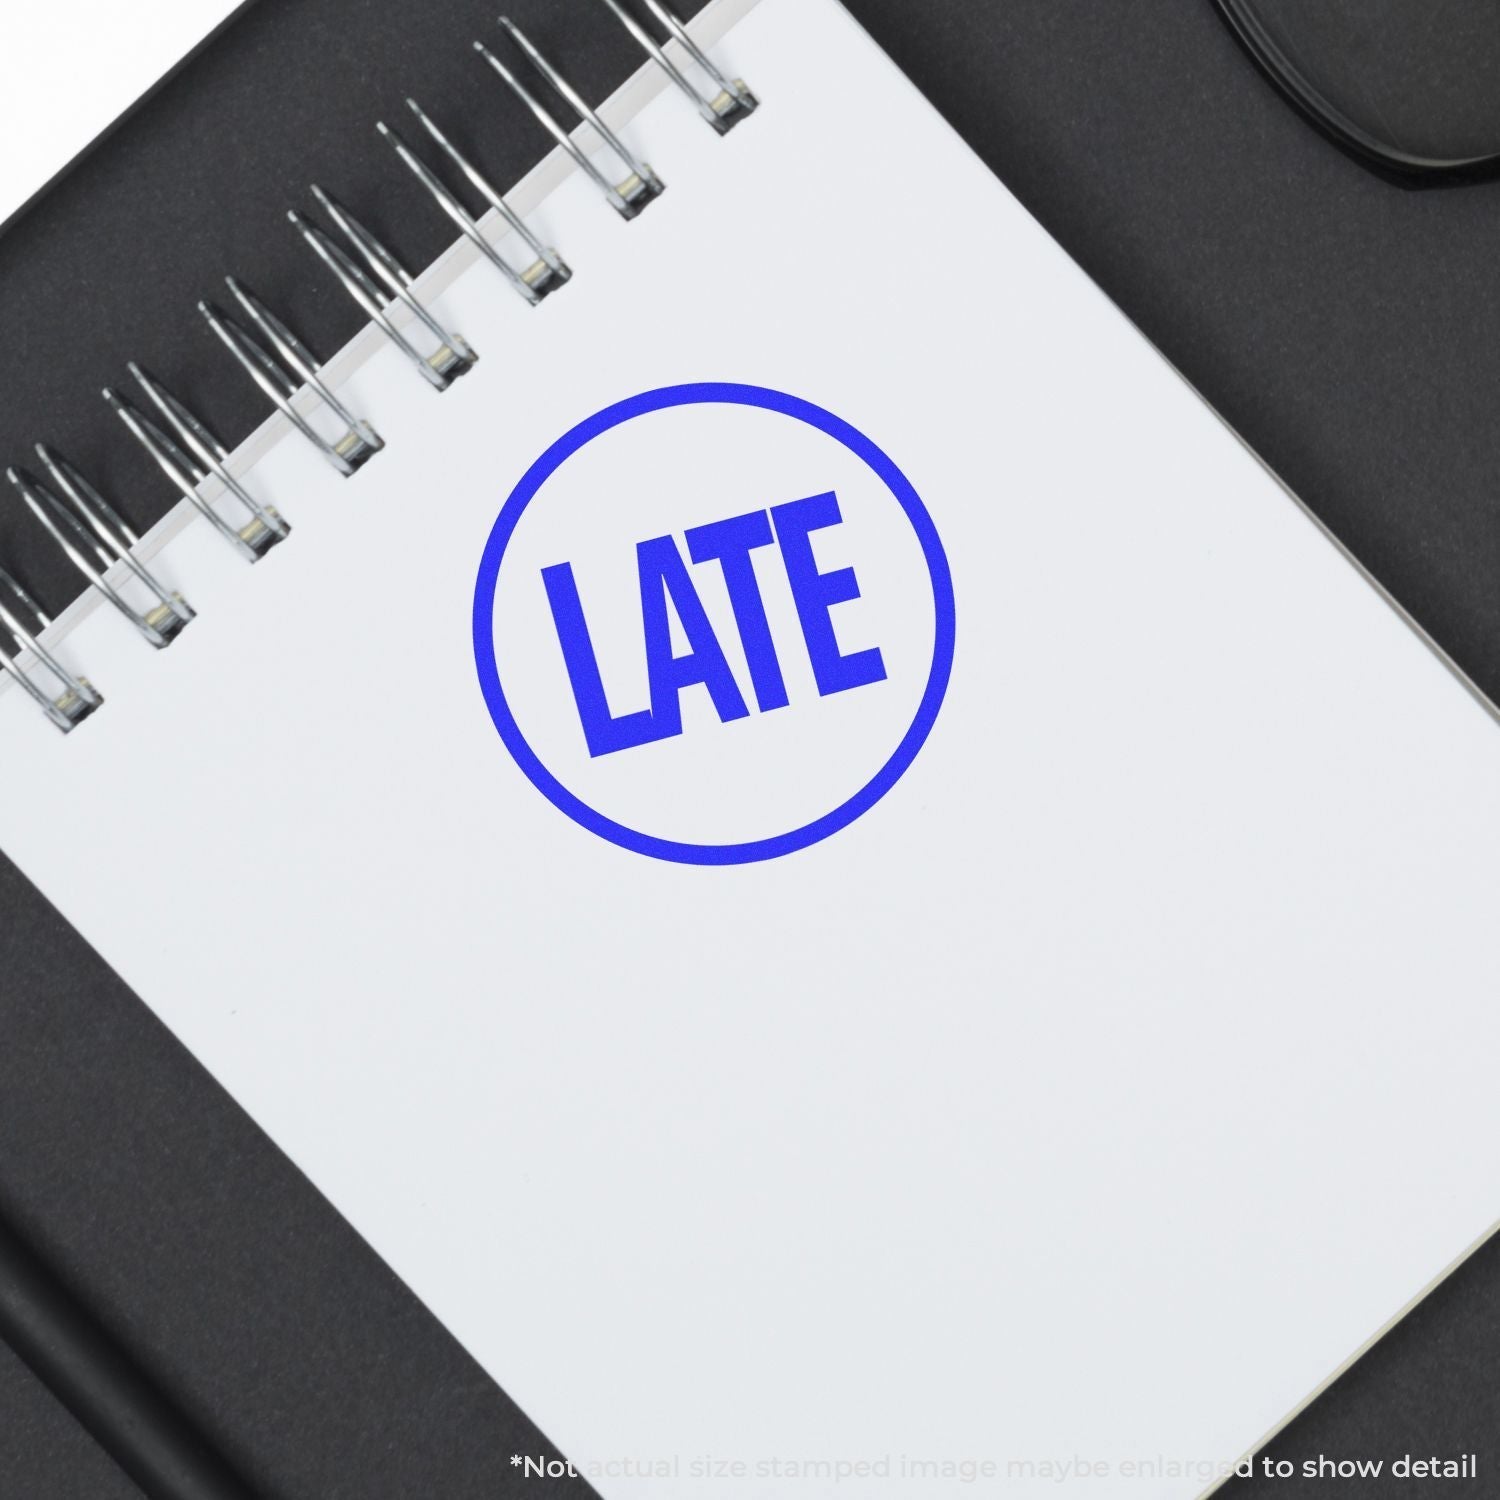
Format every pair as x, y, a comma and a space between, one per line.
1092, 1096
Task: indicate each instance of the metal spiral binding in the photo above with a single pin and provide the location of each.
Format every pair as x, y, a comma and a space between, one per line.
205, 456
105, 538
92, 534
452, 357
357, 444
632, 193
730, 102
69, 700
547, 271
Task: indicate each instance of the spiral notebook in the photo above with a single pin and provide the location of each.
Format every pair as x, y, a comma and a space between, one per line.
808, 846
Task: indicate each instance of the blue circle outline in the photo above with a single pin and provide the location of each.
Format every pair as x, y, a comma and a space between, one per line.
717, 393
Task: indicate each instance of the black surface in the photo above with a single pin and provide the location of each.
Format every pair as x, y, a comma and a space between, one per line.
44, 1453
1416, 81
1347, 327
1428, 75
102, 1388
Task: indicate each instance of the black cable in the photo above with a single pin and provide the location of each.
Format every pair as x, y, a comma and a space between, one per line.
129, 1417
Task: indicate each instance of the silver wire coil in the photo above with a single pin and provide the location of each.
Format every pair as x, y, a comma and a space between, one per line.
65, 698
90, 531
628, 195
547, 271
200, 456
727, 102
94, 538
441, 366
356, 444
